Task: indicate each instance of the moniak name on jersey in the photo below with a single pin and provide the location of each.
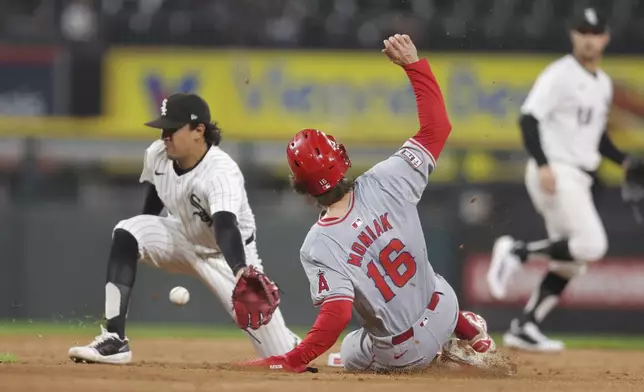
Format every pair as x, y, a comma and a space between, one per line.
367, 237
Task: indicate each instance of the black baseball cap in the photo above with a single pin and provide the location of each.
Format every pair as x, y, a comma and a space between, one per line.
590, 21
180, 109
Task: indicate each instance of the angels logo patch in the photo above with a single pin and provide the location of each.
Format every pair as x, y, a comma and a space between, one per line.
411, 157
323, 285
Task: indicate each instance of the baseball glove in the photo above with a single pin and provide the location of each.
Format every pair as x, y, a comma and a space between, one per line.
255, 298
633, 185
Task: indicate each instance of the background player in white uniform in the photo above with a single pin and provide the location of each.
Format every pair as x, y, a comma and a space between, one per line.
209, 231
563, 122
368, 252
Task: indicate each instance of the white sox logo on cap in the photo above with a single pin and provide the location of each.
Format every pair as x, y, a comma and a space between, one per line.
591, 16
164, 109
179, 109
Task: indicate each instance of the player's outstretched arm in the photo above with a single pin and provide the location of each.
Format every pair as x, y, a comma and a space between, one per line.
333, 319
432, 114
229, 240
332, 290
255, 297
405, 174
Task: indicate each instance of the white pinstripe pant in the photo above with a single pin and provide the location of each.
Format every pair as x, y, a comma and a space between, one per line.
569, 214
162, 244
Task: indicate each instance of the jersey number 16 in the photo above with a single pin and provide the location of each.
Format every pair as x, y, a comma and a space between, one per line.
392, 268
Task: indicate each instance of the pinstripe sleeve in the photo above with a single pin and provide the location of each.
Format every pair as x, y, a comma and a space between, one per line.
225, 192
546, 93
151, 154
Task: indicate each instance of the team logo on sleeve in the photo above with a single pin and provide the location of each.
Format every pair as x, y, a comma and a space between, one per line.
412, 158
323, 285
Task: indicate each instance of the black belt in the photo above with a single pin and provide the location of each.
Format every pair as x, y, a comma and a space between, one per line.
597, 185
592, 173
250, 239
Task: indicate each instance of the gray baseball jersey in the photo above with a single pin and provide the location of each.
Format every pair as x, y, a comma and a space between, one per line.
376, 255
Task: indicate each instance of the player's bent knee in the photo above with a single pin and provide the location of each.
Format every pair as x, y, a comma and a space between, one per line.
351, 364
597, 251
567, 269
589, 248
122, 225
355, 357
131, 225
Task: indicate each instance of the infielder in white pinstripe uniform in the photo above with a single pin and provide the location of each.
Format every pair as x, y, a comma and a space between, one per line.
564, 127
209, 231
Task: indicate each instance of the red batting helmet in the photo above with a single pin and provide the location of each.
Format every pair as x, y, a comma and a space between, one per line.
316, 160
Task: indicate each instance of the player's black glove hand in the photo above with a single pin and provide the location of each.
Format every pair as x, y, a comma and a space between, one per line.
633, 185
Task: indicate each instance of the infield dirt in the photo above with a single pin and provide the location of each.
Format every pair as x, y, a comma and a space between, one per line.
201, 365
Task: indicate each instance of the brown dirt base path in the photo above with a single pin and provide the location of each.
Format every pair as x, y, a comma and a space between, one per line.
200, 365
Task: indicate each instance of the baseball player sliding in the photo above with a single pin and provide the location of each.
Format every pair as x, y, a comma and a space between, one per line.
367, 251
209, 232
563, 122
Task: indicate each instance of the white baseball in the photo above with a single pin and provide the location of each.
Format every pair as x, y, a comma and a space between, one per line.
179, 295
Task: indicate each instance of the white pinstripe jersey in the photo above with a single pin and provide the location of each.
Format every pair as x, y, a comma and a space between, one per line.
215, 184
572, 106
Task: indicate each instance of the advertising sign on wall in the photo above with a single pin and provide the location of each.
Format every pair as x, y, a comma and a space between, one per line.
27, 81
357, 96
614, 283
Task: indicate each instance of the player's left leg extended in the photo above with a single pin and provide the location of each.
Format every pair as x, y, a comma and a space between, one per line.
411, 350
153, 240
576, 237
269, 340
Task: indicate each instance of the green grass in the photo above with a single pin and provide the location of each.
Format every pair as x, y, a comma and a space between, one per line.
597, 342
182, 331
134, 330
7, 358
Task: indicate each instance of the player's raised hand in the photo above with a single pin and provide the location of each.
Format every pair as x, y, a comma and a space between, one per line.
400, 49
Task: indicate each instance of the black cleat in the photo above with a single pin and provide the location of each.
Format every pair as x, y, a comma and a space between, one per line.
106, 348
